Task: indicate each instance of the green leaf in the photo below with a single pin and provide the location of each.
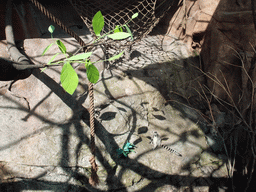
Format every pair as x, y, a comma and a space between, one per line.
80, 56
68, 78
50, 62
126, 147
98, 23
43, 69
119, 35
53, 57
116, 56
61, 46
118, 29
92, 73
125, 154
135, 15
129, 31
47, 48
119, 151
51, 29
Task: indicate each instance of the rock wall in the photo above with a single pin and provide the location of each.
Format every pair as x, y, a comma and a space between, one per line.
45, 135
188, 21
228, 56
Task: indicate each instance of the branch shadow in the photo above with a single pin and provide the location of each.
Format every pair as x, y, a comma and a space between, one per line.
113, 180
81, 113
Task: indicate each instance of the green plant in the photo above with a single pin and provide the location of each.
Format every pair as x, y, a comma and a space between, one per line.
127, 148
68, 77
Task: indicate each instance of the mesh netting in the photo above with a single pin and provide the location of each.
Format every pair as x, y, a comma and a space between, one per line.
119, 12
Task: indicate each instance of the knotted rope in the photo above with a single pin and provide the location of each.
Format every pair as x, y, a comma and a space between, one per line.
94, 180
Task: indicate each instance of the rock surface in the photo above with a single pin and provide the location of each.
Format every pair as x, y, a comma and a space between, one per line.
189, 20
45, 134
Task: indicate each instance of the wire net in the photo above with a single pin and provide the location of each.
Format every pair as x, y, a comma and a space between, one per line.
119, 12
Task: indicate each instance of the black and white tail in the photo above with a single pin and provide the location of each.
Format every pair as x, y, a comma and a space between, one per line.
171, 150
156, 141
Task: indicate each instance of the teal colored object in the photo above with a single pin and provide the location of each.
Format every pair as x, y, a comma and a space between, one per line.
127, 148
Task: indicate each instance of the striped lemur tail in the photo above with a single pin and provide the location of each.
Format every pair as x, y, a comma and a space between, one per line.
171, 150
156, 141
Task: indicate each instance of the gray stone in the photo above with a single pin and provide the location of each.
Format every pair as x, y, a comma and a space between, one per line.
45, 132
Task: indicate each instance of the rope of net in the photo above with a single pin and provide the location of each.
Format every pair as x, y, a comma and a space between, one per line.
93, 180
119, 12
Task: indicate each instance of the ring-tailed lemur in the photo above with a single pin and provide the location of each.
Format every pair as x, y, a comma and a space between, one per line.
156, 141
